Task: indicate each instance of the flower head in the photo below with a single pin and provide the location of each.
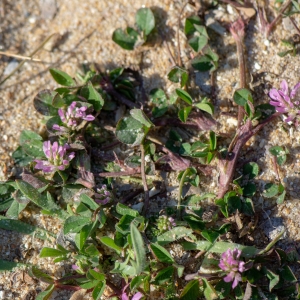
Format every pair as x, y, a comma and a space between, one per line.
237, 29
136, 296
72, 117
103, 196
231, 264
58, 158
286, 101
165, 223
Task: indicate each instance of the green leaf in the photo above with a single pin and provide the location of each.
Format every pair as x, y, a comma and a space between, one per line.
45, 295
145, 20
51, 252
133, 161
75, 223
210, 235
58, 101
208, 107
212, 141
162, 254
125, 39
158, 112
242, 96
124, 269
110, 243
94, 97
184, 113
115, 73
270, 190
197, 43
280, 154
15, 209
21, 158
273, 242
287, 274
130, 131
234, 204
223, 289
178, 74
173, 235
62, 90
28, 135
158, 97
88, 284
140, 116
138, 248
209, 291
43, 103
185, 149
253, 275
35, 272
136, 282
249, 190
189, 27
251, 169
247, 207
61, 77
191, 291
6, 265
185, 96
274, 278
83, 235
98, 290
125, 210
220, 247
194, 223
34, 148
223, 206
280, 198
97, 275
21, 227
5, 203
204, 63
88, 201
200, 39
54, 120
164, 275
40, 200
285, 53
124, 224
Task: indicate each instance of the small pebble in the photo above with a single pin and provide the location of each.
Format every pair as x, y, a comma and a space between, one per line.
2, 294
32, 20
257, 66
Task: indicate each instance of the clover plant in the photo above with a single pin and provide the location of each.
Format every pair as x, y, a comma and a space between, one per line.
112, 238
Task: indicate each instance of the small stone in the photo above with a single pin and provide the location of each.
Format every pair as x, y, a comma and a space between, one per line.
230, 9
210, 21
153, 192
10, 67
138, 207
2, 294
257, 66
232, 121
32, 20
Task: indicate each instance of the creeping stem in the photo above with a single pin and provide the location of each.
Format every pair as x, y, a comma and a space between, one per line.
227, 166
